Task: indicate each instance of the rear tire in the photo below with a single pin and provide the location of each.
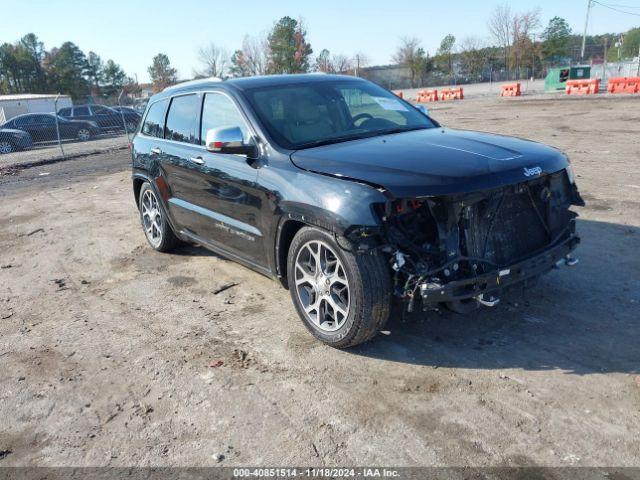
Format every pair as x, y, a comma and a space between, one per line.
154, 222
337, 318
83, 134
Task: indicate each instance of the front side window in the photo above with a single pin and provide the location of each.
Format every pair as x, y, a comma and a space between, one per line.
219, 111
81, 111
181, 119
153, 125
317, 113
65, 112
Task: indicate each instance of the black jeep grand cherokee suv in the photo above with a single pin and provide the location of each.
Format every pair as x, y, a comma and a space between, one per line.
350, 196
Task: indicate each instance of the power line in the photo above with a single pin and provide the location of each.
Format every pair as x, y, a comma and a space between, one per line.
616, 9
623, 6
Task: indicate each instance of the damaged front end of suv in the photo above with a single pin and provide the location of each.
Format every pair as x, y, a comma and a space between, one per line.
463, 250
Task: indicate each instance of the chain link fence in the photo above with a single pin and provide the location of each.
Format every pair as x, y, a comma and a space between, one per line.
39, 128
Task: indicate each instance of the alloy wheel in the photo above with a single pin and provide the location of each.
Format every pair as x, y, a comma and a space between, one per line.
84, 134
5, 147
151, 218
322, 286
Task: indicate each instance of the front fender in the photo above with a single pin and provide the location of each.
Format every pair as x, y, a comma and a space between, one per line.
334, 204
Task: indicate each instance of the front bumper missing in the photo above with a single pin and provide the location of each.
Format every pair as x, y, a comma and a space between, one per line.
477, 286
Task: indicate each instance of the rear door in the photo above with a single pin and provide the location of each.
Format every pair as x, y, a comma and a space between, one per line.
106, 118
81, 113
42, 128
180, 150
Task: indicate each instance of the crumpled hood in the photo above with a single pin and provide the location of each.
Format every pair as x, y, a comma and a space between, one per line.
435, 161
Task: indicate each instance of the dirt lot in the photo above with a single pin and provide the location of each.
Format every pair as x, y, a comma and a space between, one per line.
109, 350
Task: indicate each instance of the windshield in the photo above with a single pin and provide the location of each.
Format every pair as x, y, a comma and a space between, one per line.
313, 114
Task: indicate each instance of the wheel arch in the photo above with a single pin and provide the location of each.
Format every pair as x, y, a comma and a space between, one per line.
287, 229
137, 186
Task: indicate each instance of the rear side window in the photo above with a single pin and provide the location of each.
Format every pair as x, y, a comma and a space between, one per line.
154, 121
219, 111
181, 119
97, 110
80, 111
24, 121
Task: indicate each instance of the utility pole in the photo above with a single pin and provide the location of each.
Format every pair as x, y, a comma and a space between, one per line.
604, 63
586, 25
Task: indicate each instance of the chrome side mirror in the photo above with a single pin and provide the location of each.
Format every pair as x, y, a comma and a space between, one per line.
228, 140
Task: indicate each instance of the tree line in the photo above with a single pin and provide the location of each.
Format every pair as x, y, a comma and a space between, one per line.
515, 42
26, 67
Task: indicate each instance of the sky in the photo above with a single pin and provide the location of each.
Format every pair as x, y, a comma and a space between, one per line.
132, 32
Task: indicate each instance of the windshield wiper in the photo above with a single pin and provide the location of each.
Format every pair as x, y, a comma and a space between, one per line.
342, 138
369, 134
403, 129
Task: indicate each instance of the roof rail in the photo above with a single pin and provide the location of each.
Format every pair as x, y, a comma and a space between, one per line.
192, 82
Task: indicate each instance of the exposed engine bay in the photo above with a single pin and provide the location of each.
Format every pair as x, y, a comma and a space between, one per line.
462, 250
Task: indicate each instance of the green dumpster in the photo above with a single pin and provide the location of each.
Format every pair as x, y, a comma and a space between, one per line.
557, 77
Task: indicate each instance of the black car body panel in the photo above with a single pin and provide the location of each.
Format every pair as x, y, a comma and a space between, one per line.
434, 161
42, 126
444, 205
105, 117
19, 139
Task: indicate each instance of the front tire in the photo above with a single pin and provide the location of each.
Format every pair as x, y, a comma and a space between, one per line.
342, 297
154, 222
6, 147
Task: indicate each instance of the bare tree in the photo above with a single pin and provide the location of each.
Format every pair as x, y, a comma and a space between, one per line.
327, 63
341, 63
252, 58
523, 26
473, 56
500, 26
411, 54
214, 61
323, 62
406, 51
256, 50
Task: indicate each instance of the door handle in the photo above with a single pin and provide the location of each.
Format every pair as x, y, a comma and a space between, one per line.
197, 160
156, 151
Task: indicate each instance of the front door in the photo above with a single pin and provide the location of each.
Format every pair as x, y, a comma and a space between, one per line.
215, 195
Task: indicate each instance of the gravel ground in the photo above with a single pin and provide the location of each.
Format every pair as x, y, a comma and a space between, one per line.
113, 354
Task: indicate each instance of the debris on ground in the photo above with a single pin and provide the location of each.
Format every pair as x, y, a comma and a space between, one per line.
217, 364
224, 287
33, 232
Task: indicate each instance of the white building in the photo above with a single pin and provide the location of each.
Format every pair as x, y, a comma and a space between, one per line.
13, 105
